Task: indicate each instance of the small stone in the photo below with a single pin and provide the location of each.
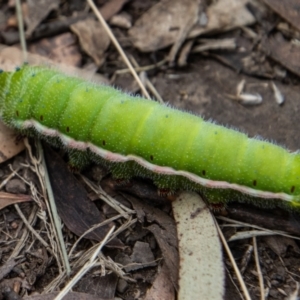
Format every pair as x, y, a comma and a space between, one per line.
275, 283
141, 257
142, 254
122, 285
280, 274
16, 186
274, 293
152, 242
14, 225
18, 161
122, 20
125, 260
267, 261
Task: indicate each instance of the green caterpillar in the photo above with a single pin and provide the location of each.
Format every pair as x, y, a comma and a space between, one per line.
137, 137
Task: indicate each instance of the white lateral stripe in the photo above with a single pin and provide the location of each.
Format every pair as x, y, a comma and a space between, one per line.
115, 157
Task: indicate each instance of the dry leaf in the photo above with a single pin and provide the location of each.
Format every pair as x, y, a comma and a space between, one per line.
7, 199
162, 287
38, 10
10, 145
159, 26
93, 39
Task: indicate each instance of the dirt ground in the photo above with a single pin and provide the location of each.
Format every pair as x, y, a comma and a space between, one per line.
232, 70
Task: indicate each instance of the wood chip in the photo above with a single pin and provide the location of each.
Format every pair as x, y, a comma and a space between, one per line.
38, 10
289, 10
201, 270
284, 52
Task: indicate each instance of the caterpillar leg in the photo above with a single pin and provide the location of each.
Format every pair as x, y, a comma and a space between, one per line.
78, 160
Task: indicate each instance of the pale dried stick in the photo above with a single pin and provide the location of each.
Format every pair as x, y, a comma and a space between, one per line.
234, 265
119, 48
143, 68
275, 232
23, 238
124, 226
21, 30
95, 226
32, 230
85, 268
40, 170
56, 218
6, 180
242, 235
120, 208
148, 82
260, 277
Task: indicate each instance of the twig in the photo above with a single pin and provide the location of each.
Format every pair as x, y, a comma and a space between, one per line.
143, 68
119, 48
54, 213
18, 247
85, 268
148, 82
30, 228
21, 30
234, 265
260, 277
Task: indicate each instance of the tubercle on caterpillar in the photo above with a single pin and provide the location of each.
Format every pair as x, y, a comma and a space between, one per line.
27, 99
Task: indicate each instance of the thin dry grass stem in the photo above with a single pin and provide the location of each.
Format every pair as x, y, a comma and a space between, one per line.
274, 232
54, 214
258, 269
294, 295
234, 265
245, 259
84, 258
287, 270
246, 234
41, 214
36, 196
37, 167
85, 255
118, 46
77, 260
234, 284
104, 263
123, 227
107, 221
21, 243
153, 90
21, 30
6, 180
141, 69
115, 267
55, 283
108, 264
7, 234
32, 230
148, 83
90, 264
120, 208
